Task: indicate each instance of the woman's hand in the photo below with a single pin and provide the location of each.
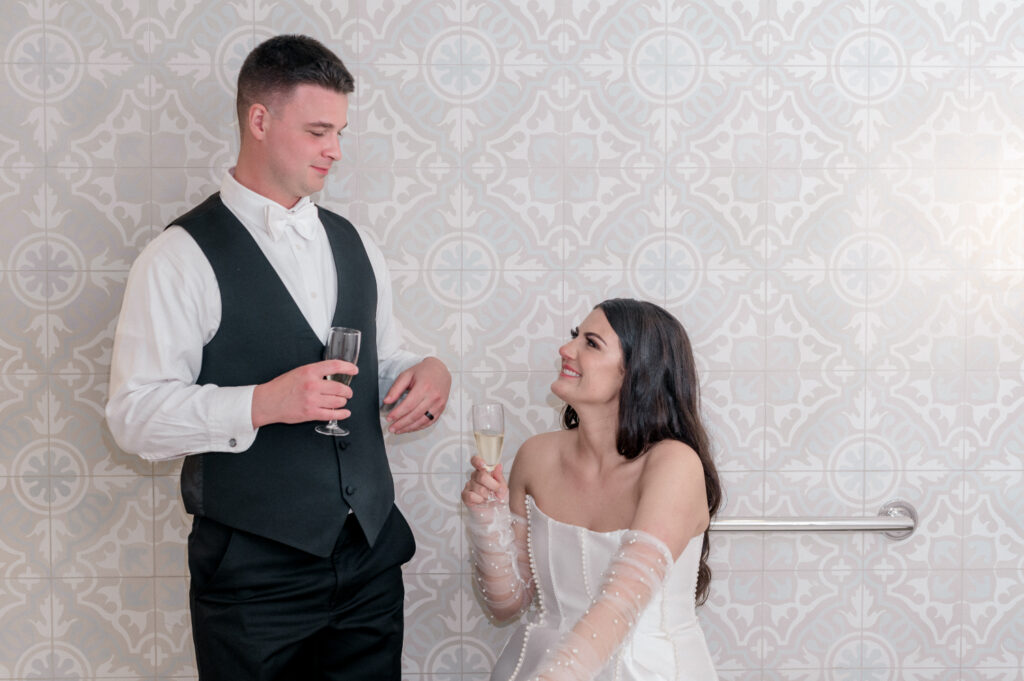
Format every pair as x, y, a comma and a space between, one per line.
483, 485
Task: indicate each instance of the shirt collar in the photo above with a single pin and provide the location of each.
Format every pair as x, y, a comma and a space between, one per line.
247, 205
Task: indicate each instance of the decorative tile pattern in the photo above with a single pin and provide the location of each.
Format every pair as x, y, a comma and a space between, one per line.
743, 495
510, 217
734, 408
992, 612
914, 619
716, 115
906, 102
911, 338
430, 503
102, 526
193, 115
897, 435
173, 653
106, 628
433, 616
816, 319
28, 627
813, 494
80, 441
615, 219
529, 405
502, 312
996, 38
171, 526
824, 111
829, 194
819, 32
22, 142
919, 35
815, 421
994, 434
733, 620
25, 547
830, 638
941, 540
992, 531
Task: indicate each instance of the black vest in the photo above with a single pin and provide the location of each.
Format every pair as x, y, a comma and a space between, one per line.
292, 485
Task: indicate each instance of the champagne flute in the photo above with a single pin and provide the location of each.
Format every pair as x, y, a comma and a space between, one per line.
489, 432
342, 343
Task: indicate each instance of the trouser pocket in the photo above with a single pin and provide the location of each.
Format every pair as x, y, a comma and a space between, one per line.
208, 545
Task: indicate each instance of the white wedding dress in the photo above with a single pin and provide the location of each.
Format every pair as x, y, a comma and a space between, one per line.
567, 564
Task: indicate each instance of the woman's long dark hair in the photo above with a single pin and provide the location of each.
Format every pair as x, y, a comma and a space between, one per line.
660, 397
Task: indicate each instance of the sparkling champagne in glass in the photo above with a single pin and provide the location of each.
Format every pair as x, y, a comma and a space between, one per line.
489, 432
342, 343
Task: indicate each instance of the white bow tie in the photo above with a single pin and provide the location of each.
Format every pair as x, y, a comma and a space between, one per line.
304, 220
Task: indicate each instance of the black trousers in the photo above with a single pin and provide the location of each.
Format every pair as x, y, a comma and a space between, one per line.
266, 611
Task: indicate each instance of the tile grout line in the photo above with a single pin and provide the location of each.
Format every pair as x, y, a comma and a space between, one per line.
962, 643
461, 227
763, 540
152, 97
48, 368
864, 344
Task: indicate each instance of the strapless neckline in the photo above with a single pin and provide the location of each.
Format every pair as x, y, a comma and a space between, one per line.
567, 564
606, 533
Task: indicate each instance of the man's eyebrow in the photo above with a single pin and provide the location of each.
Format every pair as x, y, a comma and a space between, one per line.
325, 125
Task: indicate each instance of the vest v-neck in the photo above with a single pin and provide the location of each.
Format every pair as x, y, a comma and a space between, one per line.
251, 243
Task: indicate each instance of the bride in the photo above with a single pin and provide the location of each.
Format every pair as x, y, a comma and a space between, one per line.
602, 526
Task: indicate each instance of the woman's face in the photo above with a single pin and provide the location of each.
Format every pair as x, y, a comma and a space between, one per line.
592, 367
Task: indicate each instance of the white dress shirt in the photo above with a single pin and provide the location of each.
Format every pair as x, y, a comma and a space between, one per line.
172, 308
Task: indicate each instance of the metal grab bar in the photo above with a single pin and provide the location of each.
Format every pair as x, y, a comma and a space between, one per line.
897, 519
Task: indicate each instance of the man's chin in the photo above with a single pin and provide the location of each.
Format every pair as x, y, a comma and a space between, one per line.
314, 187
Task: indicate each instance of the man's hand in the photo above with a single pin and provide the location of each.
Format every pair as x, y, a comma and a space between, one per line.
428, 384
303, 394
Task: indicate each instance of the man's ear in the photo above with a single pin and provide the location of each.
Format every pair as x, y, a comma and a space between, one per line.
258, 121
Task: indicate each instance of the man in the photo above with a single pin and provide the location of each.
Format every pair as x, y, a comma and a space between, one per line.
296, 547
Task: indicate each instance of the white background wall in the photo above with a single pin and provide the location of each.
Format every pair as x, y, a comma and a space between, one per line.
828, 193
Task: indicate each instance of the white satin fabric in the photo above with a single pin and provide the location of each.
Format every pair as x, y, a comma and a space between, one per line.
568, 563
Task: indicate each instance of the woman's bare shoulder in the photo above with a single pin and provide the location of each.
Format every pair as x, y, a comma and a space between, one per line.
547, 440
673, 450
673, 499
673, 471
538, 454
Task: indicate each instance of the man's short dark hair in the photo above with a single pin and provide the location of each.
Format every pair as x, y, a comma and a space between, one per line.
277, 65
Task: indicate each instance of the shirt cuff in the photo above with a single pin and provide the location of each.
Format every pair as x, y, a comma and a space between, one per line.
231, 422
389, 370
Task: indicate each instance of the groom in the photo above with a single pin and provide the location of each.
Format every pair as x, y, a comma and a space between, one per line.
296, 546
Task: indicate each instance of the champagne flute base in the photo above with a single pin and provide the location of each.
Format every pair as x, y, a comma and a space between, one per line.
331, 429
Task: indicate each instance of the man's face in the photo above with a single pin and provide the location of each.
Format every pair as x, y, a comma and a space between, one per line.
303, 138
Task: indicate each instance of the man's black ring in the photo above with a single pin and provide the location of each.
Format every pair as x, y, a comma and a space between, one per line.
430, 417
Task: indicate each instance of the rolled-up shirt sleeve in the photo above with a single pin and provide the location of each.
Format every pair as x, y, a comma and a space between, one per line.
155, 409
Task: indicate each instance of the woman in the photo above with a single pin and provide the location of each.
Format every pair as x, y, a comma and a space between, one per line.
603, 525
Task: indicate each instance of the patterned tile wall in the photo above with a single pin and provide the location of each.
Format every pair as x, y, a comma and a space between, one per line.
829, 193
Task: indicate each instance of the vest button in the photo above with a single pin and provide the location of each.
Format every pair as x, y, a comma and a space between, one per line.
232, 442
349, 489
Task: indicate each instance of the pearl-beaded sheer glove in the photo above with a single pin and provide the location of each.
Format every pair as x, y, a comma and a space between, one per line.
636, 573
501, 561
